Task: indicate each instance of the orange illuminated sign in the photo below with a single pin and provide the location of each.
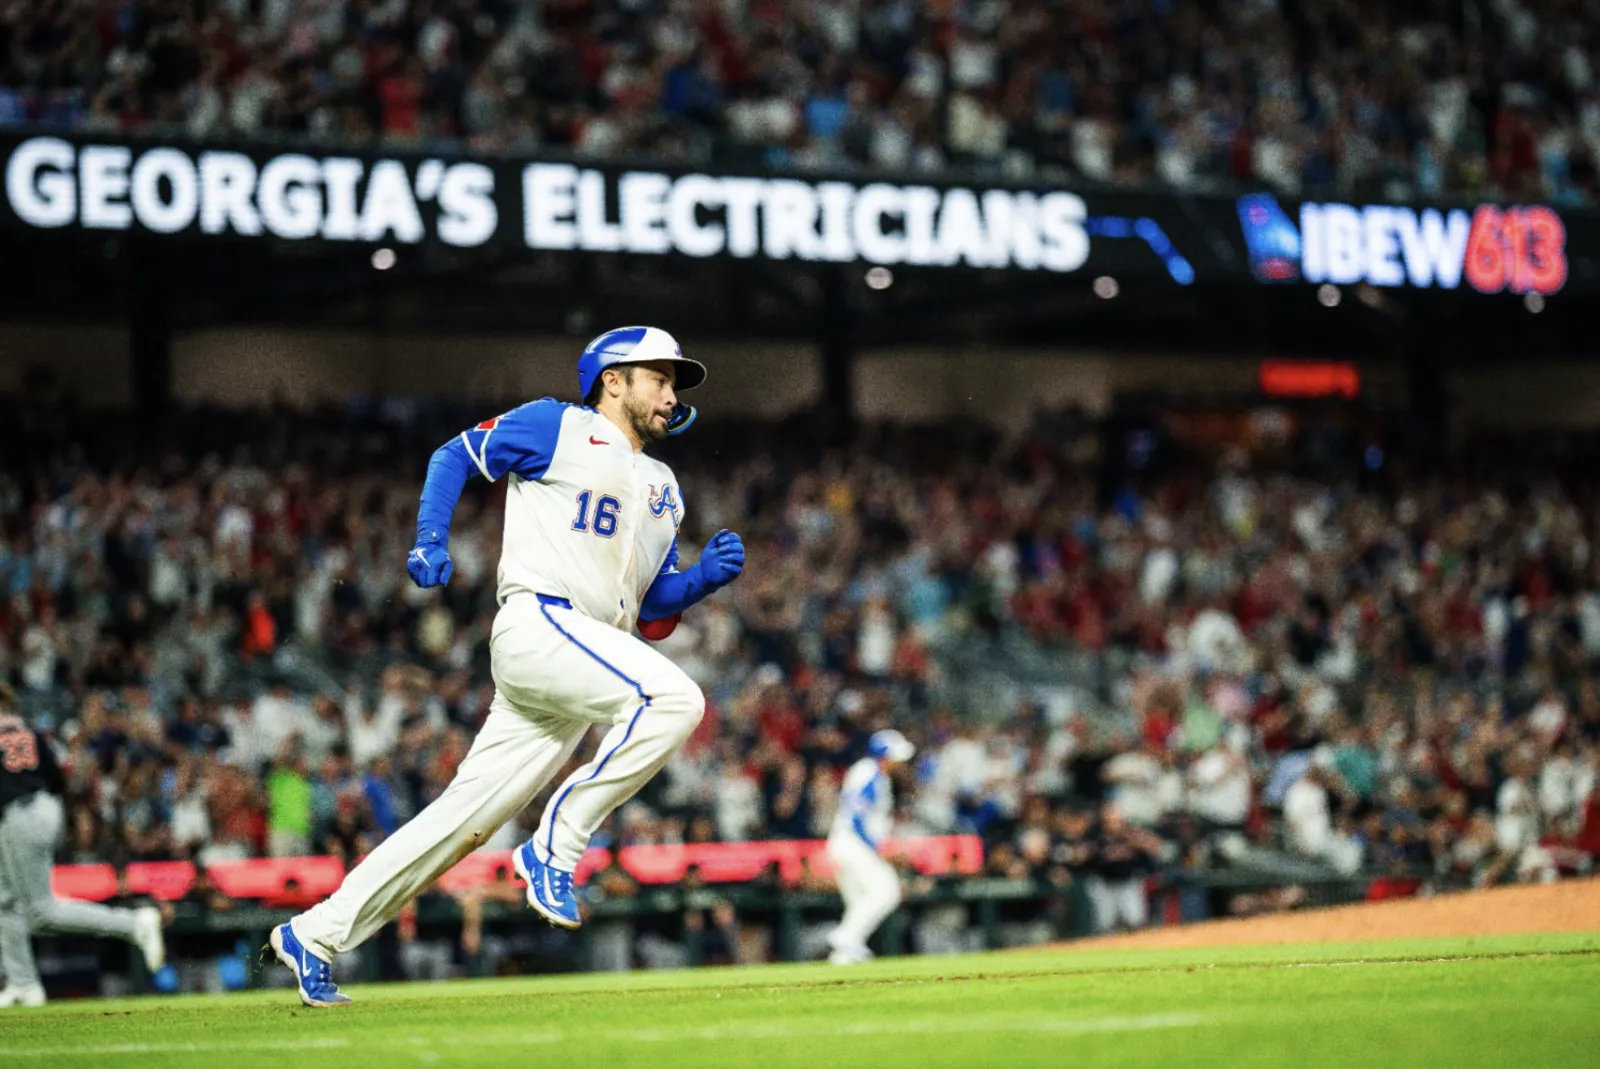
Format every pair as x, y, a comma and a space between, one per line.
1283, 378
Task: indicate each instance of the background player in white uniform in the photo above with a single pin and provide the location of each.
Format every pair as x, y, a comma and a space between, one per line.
31, 820
869, 885
590, 552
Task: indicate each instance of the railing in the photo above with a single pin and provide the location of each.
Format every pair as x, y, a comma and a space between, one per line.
940, 914
319, 876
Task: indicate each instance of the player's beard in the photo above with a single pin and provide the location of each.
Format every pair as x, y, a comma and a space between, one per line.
641, 416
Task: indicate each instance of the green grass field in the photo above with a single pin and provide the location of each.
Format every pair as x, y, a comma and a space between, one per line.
1492, 1001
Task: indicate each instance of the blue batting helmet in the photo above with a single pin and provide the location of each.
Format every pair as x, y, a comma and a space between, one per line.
638, 345
635, 345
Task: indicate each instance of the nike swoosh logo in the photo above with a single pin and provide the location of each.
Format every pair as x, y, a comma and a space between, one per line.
305, 969
595, 441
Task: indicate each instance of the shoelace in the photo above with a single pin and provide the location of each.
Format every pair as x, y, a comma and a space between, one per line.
561, 883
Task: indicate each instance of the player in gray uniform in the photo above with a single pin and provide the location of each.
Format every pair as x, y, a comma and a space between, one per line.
31, 819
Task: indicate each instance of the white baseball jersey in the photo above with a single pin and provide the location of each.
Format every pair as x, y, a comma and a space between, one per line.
590, 521
587, 518
866, 804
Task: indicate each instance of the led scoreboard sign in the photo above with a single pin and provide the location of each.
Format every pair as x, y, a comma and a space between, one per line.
202, 190
185, 190
1521, 249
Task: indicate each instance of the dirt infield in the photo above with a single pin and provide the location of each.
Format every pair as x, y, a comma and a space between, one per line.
1572, 906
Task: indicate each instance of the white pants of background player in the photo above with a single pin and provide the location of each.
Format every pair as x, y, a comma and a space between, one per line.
556, 671
1118, 902
870, 888
29, 829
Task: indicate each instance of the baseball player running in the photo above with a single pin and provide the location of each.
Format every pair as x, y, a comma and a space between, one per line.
31, 819
590, 552
869, 885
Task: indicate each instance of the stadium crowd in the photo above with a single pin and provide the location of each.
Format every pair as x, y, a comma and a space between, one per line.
1356, 97
1325, 659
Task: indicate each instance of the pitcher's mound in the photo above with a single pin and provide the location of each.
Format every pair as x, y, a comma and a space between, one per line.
1571, 906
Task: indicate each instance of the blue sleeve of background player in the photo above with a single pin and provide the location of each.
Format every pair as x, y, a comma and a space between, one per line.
521, 441
857, 804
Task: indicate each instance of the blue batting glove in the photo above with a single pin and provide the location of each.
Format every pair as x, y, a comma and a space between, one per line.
429, 564
722, 560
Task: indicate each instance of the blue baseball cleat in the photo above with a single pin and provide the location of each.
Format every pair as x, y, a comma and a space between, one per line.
313, 975
550, 890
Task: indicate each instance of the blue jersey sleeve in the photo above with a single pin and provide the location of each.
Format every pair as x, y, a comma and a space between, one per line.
673, 591
862, 800
521, 441
858, 806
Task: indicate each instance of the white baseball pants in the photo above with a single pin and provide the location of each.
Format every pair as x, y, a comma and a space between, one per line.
556, 671
1118, 902
29, 829
869, 886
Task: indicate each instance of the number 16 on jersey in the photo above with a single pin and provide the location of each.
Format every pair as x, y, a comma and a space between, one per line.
605, 514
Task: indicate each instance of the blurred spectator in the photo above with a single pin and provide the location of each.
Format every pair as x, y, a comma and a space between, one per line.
1144, 785
1219, 788
1308, 813
719, 935
501, 889
289, 795
1124, 855
1382, 99
203, 895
